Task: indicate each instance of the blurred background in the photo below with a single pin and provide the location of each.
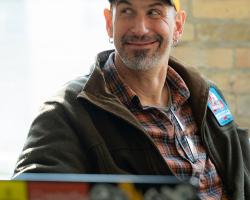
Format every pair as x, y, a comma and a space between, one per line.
216, 40
45, 43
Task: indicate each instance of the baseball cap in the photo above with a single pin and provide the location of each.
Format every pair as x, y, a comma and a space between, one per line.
175, 3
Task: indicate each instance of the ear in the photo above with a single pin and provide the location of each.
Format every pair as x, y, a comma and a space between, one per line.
109, 24
180, 20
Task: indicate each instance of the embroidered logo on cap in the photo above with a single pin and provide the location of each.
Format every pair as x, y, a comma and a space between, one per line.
219, 108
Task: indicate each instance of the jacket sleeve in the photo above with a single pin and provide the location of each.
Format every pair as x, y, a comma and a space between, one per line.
52, 145
229, 146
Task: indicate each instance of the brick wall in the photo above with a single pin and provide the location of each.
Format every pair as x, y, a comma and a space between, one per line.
216, 40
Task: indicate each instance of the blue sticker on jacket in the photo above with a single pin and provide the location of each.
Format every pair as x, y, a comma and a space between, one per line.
219, 108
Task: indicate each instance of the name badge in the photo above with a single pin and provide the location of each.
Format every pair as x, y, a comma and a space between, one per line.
219, 108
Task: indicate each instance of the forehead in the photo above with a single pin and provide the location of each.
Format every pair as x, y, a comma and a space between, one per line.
140, 2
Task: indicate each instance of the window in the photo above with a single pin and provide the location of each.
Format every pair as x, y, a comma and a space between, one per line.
43, 44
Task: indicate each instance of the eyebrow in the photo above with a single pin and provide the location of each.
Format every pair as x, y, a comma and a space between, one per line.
124, 2
156, 4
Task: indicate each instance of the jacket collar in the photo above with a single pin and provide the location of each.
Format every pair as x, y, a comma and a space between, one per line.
198, 87
96, 92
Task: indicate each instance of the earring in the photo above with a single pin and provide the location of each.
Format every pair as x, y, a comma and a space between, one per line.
111, 41
175, 42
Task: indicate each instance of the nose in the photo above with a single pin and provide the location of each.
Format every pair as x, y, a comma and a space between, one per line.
140, 26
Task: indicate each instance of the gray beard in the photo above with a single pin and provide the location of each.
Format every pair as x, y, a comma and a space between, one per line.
140, 61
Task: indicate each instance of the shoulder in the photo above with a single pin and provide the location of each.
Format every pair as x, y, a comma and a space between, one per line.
218, 106
69, 91
64, 101
191, 75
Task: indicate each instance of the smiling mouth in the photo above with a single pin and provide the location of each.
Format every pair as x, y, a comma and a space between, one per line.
140, 44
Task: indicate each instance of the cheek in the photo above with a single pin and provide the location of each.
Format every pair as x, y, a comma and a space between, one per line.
166, 24
119, 31
166, 29
118, 28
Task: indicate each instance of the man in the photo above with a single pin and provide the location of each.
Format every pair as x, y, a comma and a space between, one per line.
142, 112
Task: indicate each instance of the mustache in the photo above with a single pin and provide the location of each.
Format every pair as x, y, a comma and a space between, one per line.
144, 38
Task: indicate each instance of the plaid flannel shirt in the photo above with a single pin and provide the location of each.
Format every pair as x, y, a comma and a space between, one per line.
173, 131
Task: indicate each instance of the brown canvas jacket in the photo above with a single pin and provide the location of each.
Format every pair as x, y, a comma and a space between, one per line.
85, 129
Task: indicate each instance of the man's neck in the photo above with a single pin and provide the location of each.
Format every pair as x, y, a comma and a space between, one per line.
149, 85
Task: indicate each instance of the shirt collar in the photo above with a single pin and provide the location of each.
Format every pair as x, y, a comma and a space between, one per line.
116, 86
178, 89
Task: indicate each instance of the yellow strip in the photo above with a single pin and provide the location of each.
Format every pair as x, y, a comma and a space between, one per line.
10, 190
177, 5
131, 192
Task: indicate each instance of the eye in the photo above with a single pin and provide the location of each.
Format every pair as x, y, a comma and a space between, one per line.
154, 13
126, 11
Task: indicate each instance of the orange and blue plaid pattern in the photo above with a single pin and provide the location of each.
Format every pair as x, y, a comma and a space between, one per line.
161, 126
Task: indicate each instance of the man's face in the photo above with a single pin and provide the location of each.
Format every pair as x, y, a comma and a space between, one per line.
142, 32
